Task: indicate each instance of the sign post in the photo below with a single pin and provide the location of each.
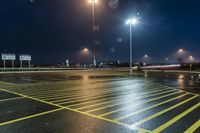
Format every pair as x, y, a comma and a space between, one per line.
5, 57
29, 64
25, 58
4, 64
13, 65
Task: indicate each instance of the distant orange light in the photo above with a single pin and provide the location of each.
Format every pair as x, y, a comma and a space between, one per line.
191, 57
181, 76
85, 49
180, 50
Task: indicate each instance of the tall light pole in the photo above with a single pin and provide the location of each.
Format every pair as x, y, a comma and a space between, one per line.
131, 22
94, 28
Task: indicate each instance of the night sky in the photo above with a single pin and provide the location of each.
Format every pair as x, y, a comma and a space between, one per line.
55, 30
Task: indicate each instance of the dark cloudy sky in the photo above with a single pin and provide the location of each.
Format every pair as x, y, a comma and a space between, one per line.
55, 30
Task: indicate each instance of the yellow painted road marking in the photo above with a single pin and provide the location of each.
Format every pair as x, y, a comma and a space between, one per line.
45, 88
162, 112
174, 88
76, 94
117, 110
8, 83
35, 80
9, 99
86, 97
117, 97
76, 88
100, 84
49, 92
35, 99
62, 107
91, 88
148, 108
31, 116
102, 96
178, 117
141, 130
193, 128
120, 102
61, 95
97, 109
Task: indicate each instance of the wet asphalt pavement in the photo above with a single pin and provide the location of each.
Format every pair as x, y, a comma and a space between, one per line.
99, 102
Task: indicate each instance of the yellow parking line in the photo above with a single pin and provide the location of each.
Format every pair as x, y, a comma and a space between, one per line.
193, 128
29, 117
126, 102
99, 87
97, 94
141, 130
117, 110
96, 109
118, 103
9, 99
172, 121
77, 88
90, 98
52, 96
91, 88
174, 88
151, 107
115, 98
61, 108
42, 90
8, 83
162, 112
35, 80
76, 97
60, 93
35, 99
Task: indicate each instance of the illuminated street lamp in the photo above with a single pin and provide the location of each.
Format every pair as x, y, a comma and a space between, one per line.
85, 53
191, 59
145, 59
180, 53
93, 1
146, 56
180, 50
85, 50
131, 22
94, 28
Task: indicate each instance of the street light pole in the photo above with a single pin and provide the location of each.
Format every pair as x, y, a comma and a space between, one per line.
131, 22
93, 2
131, 48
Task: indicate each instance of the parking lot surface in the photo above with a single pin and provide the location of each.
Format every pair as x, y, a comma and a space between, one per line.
105, 101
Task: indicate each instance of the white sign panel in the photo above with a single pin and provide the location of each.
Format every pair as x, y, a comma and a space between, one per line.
8, 56
25, 57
